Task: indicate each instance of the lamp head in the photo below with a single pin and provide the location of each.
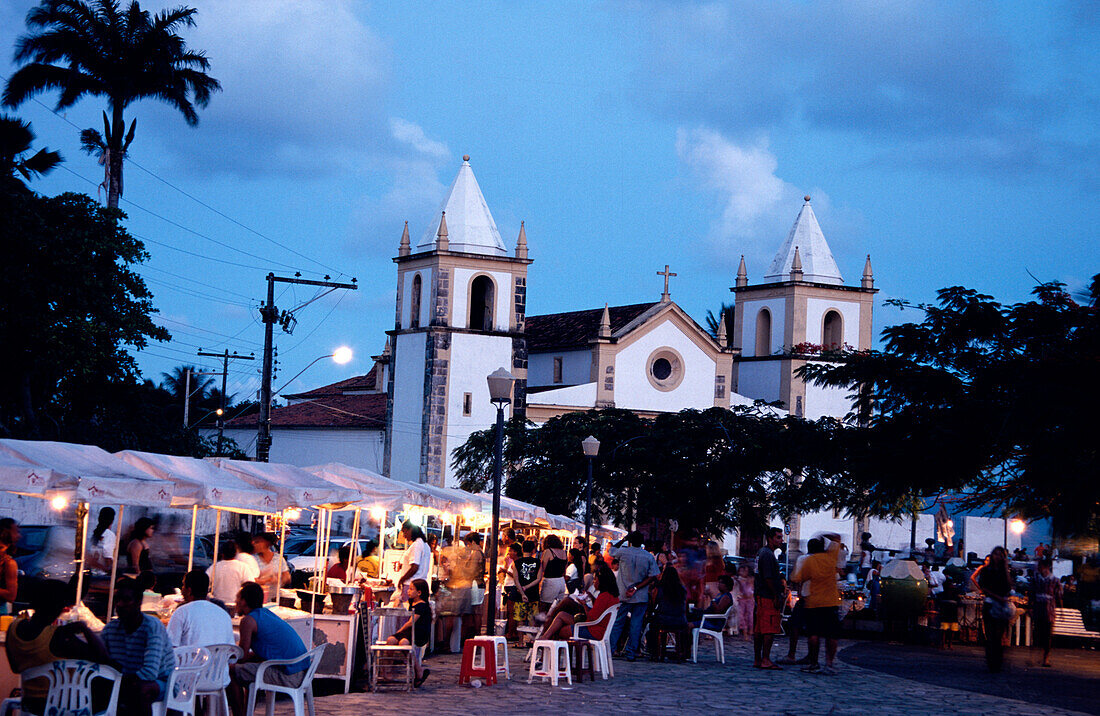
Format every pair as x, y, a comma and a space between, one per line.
1017, 526
591, 446
500, 386
342, 355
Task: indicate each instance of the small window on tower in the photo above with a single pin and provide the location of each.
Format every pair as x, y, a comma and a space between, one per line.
557, 369
467, 404
414, 304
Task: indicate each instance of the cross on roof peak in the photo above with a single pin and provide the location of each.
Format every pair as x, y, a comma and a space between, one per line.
665, 297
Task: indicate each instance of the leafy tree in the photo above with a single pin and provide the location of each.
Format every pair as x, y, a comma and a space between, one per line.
16, 139
123, 54
175, 382
72, 307
994, 402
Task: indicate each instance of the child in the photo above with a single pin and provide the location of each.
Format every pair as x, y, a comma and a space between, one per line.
513, 595
417, 630
745, 602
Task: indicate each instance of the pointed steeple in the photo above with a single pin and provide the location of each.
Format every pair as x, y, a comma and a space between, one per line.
796, 266
868, 275
473, 230
742, 274
388, 350
605, 323
722, 328
442, 242
521, 242
403, 248
819, 265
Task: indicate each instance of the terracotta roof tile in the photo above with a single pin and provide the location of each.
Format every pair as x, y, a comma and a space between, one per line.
357, 383
574, 329
335, 411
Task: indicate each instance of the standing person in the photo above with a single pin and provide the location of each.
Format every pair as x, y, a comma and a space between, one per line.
637, 570
994, 581
713, 567
9, 570
822, 617
1046, 595
475, 558
416, 563
137, 550
551, 572
454, 599
417, 630
769, 590
139, 644
866, 555
246, 557
514, 596
574, 571
947, 604
104, 540
264, 636
227, 577
745, 599
271, 566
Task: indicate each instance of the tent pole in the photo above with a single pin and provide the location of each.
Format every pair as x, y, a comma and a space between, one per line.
320, 537
382, 544
114, 566
217, 538
353, 555
191, 550
83, 551
279, 569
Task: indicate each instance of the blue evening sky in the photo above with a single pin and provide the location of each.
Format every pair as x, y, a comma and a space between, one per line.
957, 143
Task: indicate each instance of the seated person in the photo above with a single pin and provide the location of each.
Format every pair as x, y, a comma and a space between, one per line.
139, 647
559, 623
343, 561
720, 603
264, 636
198, 621
150, 597
36, 640
369, 565
669, 612
417, 630
227, 576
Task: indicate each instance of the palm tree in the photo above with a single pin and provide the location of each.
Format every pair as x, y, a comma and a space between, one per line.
175, 382
98, 48
16, 138
726, 311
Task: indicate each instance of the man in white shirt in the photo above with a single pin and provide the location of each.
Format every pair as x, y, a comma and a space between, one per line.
245, 557
229, 575
271, 566
198, 621
416, 563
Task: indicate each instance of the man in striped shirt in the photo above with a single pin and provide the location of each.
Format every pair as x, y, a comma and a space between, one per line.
139, 645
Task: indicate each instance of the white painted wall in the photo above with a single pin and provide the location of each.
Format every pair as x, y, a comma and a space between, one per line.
576, 367
473, 357
408, 407
502, 297
425, 294
633, 389
888, 534
815, 314
760, 380
748, 327
825, 522
357, 447
982, 534
822, 401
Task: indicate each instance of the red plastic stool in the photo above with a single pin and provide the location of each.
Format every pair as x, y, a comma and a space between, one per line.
484, 667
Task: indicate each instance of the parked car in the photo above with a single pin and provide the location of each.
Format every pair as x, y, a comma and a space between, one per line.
304, 564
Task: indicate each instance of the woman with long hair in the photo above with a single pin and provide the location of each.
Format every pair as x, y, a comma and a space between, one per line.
669, 613
137, 551
994, 581
104, 540
551, 576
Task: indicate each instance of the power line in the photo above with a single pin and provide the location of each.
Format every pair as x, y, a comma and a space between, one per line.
200, 283
195, 294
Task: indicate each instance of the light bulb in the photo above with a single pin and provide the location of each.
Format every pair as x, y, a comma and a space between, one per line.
342, 355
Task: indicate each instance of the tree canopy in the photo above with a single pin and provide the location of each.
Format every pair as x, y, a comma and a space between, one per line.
994, 402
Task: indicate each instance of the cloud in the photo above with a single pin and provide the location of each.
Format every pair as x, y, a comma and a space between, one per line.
413, 135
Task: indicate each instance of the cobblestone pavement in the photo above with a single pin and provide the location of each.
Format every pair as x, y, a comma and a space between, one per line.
667, 688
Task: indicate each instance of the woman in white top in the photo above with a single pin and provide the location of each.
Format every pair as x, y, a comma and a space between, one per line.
104, 541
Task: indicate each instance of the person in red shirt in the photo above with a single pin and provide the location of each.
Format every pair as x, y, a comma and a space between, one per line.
570, 610
340, 569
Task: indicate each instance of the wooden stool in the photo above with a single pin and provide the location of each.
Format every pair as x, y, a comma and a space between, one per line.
479, 659
680, 634
583, 658
386, 656
550, 660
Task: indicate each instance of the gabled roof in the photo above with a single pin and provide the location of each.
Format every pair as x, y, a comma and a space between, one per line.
818, 265
574, 329
470, 225
335, 411
356, 384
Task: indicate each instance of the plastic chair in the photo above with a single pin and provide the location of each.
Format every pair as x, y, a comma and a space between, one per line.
603, 646
180, 693
215, 676
712, 625
478, 661
301, 696
550, 660
70, 689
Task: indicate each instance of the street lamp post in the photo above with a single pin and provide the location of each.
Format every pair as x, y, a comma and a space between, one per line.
591, 447
340, 356
500, 393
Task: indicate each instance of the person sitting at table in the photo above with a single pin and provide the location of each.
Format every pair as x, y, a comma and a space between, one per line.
669, 613
228, 575
418, 629
264, 636
343, 562
9, 570
369, 565
271, 565
569, 611
199, 621
37, 640
139, 647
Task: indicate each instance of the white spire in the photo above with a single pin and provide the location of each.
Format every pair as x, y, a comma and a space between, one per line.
470, 226
818, 264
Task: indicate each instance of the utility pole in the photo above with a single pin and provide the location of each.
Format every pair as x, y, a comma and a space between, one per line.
270, 314
187, 398
225, 356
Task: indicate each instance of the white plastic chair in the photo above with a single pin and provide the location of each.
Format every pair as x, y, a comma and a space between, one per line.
215, 676
301, 696
712, 625
603, 646
180, 693
70, 689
